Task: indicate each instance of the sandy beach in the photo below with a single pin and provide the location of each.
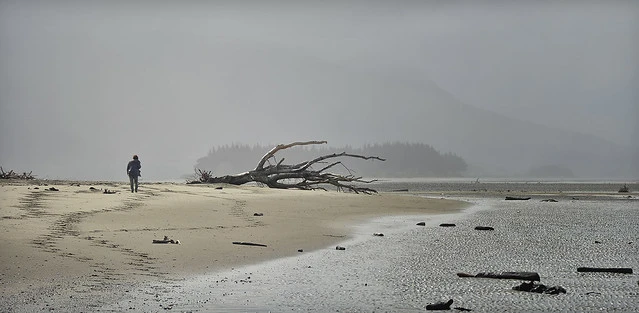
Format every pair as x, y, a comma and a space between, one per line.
77, 241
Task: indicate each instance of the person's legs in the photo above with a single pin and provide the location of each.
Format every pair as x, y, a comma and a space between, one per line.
131, 181
136, 184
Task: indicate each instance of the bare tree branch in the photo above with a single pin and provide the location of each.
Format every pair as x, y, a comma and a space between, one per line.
279, 147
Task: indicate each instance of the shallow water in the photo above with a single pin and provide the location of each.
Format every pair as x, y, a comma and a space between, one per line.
468, 186
412, 266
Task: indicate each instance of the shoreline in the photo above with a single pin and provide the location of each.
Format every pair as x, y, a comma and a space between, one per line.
76, 243
407, 269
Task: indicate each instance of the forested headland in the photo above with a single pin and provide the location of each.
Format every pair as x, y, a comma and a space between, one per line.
402, 159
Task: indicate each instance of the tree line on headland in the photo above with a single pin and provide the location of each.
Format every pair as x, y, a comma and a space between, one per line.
402, 159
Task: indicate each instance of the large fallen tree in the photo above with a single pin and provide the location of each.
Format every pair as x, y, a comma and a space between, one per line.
275, 174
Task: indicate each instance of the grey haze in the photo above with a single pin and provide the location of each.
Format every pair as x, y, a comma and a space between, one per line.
84, 85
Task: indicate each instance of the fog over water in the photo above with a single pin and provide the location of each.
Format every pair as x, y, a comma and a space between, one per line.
84, 85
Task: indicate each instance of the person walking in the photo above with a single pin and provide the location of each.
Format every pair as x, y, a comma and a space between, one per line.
133, 170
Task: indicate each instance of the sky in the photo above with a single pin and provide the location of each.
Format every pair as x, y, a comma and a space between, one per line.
84, 85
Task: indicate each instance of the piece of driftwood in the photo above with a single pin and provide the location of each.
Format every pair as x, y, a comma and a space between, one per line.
447, 225
622, 270
244, 243
203, 175
517, 198
166, 240
439, 306
13, 175
540, 288
529, 276
484, 228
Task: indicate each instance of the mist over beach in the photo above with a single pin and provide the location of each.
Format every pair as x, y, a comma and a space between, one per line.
507, 87
351, 156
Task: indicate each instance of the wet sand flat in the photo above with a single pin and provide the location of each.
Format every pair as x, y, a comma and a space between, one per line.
412, 266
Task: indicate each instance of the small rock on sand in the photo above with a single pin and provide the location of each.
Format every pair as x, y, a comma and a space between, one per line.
439, 306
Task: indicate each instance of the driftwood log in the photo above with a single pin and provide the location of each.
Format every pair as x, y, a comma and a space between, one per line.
622, 270
166, 239
529, 276
275, 174
518, 198
245, 243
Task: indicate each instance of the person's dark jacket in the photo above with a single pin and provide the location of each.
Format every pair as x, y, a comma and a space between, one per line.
133, 168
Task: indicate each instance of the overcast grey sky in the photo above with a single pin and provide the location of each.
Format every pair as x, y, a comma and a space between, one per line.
85, 84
